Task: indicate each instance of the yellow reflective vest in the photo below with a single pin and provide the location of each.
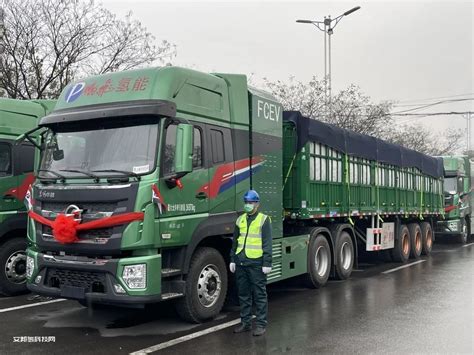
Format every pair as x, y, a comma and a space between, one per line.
250, 237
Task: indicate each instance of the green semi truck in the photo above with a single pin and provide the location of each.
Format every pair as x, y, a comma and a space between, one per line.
142, 176
458, 198
16, 175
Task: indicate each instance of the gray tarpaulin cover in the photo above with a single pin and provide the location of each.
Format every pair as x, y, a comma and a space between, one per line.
360, 145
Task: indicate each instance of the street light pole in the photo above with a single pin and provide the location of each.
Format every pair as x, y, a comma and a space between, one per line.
325, 26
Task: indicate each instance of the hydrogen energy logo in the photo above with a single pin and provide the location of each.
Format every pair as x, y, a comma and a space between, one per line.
74, 92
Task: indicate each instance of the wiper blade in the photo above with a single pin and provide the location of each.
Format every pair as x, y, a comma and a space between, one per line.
95, 177
128, 173
62, 177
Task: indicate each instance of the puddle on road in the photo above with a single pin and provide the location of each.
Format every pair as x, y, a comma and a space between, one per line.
115, 322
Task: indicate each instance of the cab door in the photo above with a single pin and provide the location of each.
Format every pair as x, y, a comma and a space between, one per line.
184, 197
9, 181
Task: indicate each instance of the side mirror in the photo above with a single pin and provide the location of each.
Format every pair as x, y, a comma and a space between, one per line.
183, 162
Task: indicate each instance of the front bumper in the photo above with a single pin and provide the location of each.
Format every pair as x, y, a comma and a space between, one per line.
448, 227
93, 280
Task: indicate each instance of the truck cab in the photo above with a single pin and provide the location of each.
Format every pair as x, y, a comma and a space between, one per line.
457, 199
16, 175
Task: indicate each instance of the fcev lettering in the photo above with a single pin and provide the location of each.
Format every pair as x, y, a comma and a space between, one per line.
268, 111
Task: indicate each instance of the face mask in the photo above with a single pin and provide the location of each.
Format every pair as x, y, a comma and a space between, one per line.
248, 207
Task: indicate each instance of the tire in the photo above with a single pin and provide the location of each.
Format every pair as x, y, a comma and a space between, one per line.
462, 237
427, 238
318, 271
13, 267
344, 256
207, 268
401, 249
416, 240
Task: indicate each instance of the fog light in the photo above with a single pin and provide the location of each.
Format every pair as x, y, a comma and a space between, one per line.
453, 226
30, 266
38, 279
118, 288
135, 275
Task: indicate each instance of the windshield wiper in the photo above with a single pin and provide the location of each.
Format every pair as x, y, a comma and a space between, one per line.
128, 173
95, 177
61, 177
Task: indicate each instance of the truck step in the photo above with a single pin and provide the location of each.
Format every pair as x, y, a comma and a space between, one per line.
170, 272
167, 296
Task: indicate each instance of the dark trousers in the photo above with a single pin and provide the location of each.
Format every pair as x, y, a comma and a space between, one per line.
252, 286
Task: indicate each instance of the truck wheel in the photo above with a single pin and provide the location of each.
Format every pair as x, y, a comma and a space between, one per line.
401, 249
13, 267
319, 262
462, 237
426, 238
344, 256
416, 240
206, 287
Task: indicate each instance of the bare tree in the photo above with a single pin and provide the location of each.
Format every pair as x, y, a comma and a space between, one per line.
421, 139
349, 108
49, 43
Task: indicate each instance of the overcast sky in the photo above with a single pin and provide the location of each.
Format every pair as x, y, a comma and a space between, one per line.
394, 50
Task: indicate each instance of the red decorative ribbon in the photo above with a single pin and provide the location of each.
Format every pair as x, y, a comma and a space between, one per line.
449, 208
65, 228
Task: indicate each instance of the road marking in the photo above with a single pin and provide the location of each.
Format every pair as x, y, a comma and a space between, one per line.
467, 245
403, 267
30, 305
184, 338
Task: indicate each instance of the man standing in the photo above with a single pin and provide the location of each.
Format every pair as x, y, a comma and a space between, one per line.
251, 260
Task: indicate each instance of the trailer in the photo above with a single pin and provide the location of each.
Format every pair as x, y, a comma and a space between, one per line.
16, 175
142, 178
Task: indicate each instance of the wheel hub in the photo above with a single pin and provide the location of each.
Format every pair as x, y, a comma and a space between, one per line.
209, 286
15, 267
321, 261
346, 256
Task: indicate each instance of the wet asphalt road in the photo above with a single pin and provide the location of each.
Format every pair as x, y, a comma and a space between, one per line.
424, 308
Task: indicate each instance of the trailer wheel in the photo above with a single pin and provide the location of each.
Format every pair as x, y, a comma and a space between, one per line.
416, 240
427, 238
401, 249
13, 267
344, 256
206, 287
319, 262
462, 236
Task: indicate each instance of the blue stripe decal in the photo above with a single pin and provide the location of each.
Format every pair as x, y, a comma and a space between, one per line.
238, 178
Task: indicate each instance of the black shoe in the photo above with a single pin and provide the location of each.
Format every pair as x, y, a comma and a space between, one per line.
259, 331
242, 328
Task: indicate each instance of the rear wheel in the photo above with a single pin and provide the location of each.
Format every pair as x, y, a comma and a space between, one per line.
427, 238
401, 249
13, 267
206, 287
344, 256
319, 261
416, 240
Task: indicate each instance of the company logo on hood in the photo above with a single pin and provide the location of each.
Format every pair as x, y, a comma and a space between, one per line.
74, 92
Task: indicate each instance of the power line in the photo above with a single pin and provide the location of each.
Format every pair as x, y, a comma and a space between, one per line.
434, 104
435, 98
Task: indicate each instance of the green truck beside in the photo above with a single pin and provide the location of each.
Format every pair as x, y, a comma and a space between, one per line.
16, 175
142, 177
458, 198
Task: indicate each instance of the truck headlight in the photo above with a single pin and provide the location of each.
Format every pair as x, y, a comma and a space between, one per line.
135, 275
30, 266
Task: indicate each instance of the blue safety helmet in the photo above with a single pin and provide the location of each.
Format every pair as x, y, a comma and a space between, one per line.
251, 196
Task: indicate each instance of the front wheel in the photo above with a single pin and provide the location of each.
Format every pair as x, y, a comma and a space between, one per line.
206, 287
462, 236
13, 267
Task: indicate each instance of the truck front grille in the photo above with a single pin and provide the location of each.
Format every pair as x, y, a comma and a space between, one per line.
90, 281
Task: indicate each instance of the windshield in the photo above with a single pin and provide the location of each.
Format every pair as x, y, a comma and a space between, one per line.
450, 184
126, 148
